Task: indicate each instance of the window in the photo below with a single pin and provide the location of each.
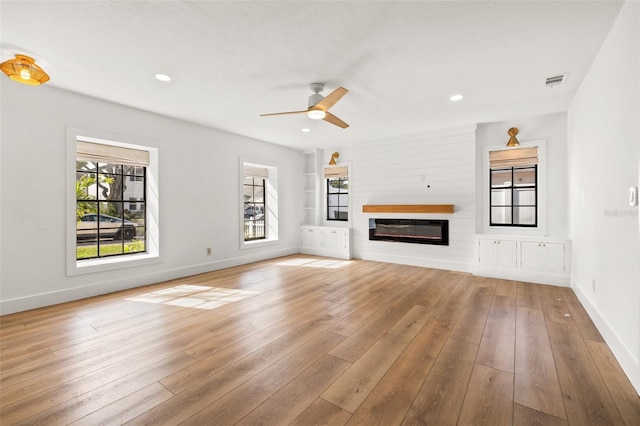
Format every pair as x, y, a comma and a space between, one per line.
254, 204
513, 188
108, 178
337, 192
138, 175
103, 232
258, 209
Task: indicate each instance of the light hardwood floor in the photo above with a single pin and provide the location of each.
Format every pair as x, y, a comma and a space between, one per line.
304, 340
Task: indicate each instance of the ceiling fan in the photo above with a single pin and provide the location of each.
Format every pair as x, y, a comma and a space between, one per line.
319, 105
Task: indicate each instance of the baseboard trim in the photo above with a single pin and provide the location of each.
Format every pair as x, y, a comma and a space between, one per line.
416, 261
624, 357
97, 289
517, 274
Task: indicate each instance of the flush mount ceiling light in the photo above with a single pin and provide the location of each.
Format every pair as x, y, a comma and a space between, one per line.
24, 69
163, 77
456, 98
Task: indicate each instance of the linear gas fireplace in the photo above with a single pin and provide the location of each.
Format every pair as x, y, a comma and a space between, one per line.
419, 231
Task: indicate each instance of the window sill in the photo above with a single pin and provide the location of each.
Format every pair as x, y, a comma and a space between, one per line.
81, 267
258, 243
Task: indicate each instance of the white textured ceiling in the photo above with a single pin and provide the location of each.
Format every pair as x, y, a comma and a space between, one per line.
231, 61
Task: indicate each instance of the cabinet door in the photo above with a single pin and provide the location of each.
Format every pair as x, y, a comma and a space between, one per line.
532, 255
547, 257
331, 239
310, 237
488, 252
554, 257
507, 250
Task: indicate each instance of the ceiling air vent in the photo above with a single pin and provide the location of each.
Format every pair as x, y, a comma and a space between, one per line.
554, 80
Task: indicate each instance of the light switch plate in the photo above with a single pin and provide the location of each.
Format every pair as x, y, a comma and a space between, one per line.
633, 196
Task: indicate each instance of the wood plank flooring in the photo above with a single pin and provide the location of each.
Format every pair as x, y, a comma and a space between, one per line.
305, 340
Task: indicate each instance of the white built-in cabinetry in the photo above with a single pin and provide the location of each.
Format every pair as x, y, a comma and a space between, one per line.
326, 241
311, 184
496, 252
533, 259
543, 256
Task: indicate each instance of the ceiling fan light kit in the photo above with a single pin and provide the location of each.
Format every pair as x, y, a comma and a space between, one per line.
316, 114
24, 69
318, 106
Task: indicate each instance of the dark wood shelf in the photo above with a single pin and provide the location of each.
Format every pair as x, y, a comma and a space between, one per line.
407, 208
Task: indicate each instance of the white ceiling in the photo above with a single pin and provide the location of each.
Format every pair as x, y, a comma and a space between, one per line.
232, 60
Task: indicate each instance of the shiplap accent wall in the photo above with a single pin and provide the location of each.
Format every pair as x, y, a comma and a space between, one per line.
437, 168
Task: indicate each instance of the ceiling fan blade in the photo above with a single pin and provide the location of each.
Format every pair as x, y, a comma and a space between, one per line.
284, 113
335, 120
331, 98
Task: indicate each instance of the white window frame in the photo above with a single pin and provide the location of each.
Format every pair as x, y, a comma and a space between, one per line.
152, 221
271, 203
541, 184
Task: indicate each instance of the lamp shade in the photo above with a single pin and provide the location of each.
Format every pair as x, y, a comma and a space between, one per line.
24, 69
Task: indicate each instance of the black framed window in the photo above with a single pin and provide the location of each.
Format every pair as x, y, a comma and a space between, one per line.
254, 208
514, 196
110, 209
338, 198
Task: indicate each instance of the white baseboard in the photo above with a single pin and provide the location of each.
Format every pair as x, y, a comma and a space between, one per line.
625, 358
518, 274
415, 261
319, 251
96, 289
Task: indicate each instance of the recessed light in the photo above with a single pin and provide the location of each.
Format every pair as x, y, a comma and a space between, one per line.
306, 130
456, 98
163, 77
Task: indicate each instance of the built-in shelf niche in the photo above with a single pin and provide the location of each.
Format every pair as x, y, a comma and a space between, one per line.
407, 208
311, 188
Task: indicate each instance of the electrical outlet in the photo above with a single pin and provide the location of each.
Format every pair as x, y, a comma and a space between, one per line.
208, 251
593, 285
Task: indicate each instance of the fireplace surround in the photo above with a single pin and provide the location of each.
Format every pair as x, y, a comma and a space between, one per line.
418, 231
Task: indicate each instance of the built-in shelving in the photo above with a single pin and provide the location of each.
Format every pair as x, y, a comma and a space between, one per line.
310, 187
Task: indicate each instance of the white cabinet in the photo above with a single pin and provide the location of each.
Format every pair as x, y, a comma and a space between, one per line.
533, 259
497, 252
325, 241
543, 256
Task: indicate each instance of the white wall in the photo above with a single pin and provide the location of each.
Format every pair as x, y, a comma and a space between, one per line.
604, 151
551, 128
199, 195
437, 168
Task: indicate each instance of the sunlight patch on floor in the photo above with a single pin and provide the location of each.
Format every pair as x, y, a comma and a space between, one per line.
195, 296
315, 263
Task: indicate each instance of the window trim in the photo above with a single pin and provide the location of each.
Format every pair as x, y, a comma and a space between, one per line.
86, 266
271, 203
542, 192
